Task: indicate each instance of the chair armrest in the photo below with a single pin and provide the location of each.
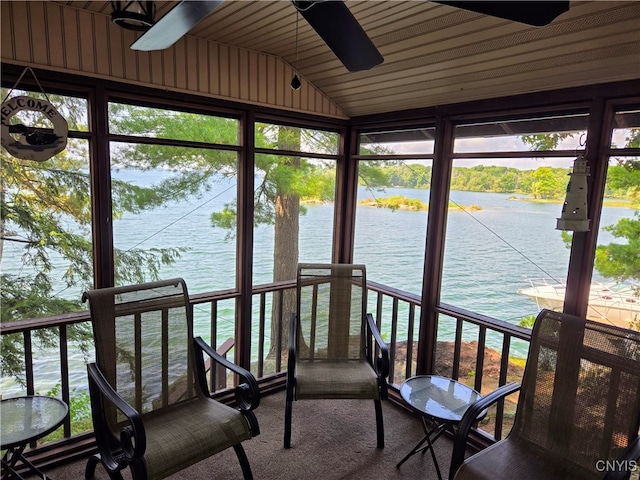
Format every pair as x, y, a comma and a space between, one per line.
110, 447
382, 362
470, 417
247, 394
627, 461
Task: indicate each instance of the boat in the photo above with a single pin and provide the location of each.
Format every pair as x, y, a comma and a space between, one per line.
614, 303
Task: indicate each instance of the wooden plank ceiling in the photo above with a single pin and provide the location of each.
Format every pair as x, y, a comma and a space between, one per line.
435, 54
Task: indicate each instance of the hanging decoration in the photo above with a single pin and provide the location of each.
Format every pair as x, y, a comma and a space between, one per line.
31, 142
574, 210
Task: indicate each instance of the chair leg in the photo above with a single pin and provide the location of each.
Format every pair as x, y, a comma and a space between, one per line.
287, 424
244, 462
379, 424
90, 469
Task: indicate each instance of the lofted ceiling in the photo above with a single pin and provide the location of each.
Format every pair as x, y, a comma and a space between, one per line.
434, 54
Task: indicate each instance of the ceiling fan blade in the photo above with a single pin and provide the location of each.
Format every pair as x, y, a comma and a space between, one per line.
342, 33
536, 13
176, 23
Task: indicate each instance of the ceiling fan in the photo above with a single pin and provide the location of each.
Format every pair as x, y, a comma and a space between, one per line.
335, 24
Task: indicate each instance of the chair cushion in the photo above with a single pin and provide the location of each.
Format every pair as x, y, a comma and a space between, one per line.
519, 460
185, 434
336, 379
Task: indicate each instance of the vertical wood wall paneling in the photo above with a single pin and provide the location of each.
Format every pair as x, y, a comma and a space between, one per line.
202, 67
279, 83
168, 65
102, 43
143, 66
192, 68
223, 62
56, 35
21, 31
130, 58
118, 52
295, 94
156, 68
6, 19
252, 76
213, 64
234, 72
38, 30
304, 94
86, 41
270, 80
261, 78
244, 73
71, 40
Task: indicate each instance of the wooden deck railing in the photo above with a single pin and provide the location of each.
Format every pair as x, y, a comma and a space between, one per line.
397, 314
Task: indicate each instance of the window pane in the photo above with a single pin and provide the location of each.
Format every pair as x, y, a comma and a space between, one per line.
626, 128
296, 139
391, 221
501, 241
521, 135
396, 142
169, 124
174, 218
294, 210
46, 212
294, 215
46, 253
615, 291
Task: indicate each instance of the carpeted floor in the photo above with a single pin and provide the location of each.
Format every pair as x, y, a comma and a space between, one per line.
331, 440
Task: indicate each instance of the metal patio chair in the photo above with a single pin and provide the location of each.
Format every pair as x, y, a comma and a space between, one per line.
578, 411
150, 401
331, 349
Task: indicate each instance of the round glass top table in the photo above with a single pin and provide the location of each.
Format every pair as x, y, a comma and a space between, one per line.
440, 400
24, 420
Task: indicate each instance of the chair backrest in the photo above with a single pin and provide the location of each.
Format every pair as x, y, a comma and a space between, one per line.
580, 396
143, 336
332, 302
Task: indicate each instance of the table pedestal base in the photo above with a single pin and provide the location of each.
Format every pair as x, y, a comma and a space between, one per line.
430, 437
10, 460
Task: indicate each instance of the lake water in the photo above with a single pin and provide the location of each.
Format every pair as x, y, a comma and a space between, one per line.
490, 253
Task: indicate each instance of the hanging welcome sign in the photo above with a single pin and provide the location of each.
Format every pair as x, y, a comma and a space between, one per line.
28, 142
32, 142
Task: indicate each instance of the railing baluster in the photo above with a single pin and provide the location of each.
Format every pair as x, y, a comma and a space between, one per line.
502, 379
394, 333
482, 340
64, 373
213, 332
409, 359
455, 370
279, 331
138, 364
261, 334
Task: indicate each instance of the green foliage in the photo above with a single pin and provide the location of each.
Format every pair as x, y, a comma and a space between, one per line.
396, 202
621, 261
79, 412
546, 141
544, 182
528, 321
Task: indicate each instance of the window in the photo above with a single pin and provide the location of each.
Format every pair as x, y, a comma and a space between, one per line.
174, 204
502, 249
394, 177
46, 252
615, 291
